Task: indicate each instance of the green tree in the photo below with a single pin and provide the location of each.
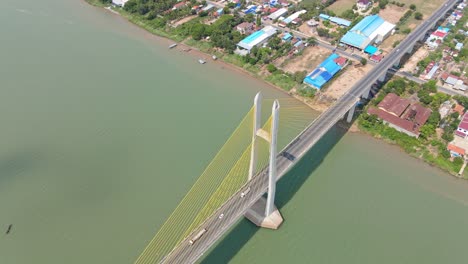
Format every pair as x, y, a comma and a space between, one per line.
434, 118
312, 41
427, 131
412, 7
457, 161
198, 31
363, 61
418, 16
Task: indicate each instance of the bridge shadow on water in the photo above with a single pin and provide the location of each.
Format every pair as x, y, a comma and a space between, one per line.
289, 185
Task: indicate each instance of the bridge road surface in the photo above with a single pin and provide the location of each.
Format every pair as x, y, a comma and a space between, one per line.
236, 206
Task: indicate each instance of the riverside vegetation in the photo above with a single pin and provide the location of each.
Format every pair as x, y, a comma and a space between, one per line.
218, 36
430, 146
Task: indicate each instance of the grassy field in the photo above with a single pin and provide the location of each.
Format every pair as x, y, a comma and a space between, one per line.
341, 5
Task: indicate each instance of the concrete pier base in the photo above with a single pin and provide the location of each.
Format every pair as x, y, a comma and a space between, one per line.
256, 215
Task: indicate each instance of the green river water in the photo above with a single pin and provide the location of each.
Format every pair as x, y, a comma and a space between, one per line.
103, 131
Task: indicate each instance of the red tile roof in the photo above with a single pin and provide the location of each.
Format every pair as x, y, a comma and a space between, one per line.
460, 134
464, 122
456, 149
439, 34
340, 61
405, 124
417, 114
181, 4
376, 58
459, 109
393, 104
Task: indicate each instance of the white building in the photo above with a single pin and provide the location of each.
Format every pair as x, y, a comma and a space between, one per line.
278, 13
120, 3
255, 39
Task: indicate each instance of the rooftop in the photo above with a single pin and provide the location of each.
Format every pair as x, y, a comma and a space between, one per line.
394, 104
464, 122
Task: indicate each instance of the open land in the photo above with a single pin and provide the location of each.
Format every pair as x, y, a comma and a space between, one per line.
341, 5
311, 57
351, 74
392, 13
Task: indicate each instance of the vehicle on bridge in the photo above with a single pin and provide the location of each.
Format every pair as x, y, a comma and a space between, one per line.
197, 236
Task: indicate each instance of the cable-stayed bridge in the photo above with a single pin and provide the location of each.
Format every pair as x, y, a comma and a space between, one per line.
235, 181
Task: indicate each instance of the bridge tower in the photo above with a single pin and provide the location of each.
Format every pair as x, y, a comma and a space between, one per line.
264, 213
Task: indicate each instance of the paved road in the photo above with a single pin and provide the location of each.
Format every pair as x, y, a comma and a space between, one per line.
236, 206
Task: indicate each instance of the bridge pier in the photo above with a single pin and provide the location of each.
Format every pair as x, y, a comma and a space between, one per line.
382, 77
349, 118
263, 212
367, 93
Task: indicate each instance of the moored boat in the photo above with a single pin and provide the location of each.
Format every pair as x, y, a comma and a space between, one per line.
201, 61
173, 45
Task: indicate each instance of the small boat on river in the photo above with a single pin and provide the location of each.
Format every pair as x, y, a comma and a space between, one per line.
173, 46
201, 61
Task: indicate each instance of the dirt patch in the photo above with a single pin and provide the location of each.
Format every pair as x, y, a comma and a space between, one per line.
392, 13
412, 62
346, 80
387, 44
311, 57
183, 20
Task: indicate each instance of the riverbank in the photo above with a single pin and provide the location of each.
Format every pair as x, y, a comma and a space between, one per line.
203, 49
429, 152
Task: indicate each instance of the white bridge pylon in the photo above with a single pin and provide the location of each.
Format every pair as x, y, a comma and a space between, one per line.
264, 213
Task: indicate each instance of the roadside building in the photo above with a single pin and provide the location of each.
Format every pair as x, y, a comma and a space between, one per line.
324, 72
255, 39
459, 46
278, 13
290, 18
120, 3
337, 20
436, 37
376, 58
371, 29
363, 4
286, 37
430, 70
400, 114
245, 28
207, 8
462, 130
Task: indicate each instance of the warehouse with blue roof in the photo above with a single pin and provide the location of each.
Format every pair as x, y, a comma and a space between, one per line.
371, 29
324, 72
255, 39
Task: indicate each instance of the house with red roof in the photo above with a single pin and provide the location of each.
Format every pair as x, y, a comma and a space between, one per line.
400, 114
455, 151
179, 5
376, 58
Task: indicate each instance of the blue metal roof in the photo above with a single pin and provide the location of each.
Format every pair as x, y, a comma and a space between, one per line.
371, 49
287, 36
368, 25
324, 72
340, 21
253, 36
353, 39
358, 36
